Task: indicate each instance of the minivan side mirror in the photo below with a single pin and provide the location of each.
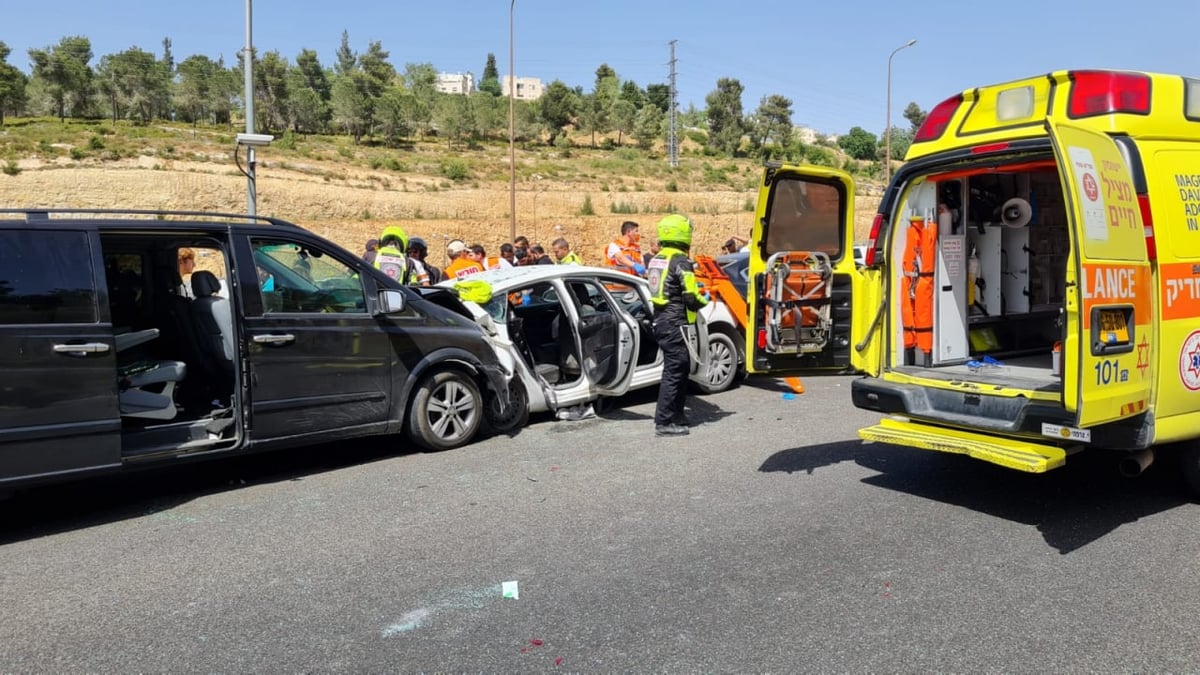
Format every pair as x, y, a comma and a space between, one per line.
391, 302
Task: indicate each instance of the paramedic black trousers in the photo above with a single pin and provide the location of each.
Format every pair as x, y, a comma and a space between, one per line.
672, 390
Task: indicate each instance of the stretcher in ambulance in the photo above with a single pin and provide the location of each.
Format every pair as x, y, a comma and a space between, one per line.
1031, 283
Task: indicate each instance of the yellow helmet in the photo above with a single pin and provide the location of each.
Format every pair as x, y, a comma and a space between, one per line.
675, 228
394, 232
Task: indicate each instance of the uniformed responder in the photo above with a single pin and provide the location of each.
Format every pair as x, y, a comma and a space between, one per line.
676, 299
392, 258
562, 251
624, 253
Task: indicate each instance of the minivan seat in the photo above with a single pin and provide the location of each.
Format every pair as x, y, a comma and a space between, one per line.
137, 382
214, 325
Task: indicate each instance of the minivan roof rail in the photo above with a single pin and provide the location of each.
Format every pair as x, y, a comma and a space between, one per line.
33, 215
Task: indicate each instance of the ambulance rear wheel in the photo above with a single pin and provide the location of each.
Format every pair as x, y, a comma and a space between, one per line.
1189, 457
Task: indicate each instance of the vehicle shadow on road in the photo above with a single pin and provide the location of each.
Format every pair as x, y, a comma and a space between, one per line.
42, 511
1071, 506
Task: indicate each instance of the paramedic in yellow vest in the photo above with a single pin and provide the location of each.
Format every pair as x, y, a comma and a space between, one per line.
624, 253
676, 299
392, 258
561, 249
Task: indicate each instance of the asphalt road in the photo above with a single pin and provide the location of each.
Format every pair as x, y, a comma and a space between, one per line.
770, 539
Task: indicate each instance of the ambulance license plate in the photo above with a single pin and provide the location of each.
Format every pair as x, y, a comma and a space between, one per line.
1113, 329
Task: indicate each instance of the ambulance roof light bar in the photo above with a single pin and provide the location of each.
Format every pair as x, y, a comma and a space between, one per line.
938, 120
1100, 92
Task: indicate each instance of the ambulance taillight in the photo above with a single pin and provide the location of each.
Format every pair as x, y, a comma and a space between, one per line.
869, 257
938, 119
1148, 226
1099, 92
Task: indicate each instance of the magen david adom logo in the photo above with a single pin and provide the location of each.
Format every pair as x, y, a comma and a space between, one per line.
1189, 362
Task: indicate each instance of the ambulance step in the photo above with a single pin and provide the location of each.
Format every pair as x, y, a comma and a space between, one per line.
1007, 452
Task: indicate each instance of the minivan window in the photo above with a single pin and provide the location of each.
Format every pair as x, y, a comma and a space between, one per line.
303, 279
46, 277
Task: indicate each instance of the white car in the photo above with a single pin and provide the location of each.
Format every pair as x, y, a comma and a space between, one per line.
575, 334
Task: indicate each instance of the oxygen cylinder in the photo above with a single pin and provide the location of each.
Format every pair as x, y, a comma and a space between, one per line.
972, 275
944, 219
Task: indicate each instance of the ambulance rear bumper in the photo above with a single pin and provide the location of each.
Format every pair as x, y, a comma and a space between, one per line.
1007, 452
999, 414
987, 414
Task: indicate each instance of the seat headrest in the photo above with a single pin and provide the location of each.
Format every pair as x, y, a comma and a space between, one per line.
204, 284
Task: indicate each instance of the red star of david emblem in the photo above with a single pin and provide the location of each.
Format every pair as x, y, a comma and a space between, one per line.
1143, 356
1194, 358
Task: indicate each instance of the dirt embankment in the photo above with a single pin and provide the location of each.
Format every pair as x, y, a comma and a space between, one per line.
355, 208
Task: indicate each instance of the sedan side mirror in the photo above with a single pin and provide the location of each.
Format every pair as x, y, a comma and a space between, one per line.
391, 302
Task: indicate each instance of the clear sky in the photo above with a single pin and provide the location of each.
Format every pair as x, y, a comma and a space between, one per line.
829, 58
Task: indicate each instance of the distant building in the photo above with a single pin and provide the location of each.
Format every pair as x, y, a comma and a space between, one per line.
455, 83
807, 136
528, 88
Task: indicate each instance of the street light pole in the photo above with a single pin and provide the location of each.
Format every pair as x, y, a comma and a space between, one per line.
248, 69
512, 148
887, 144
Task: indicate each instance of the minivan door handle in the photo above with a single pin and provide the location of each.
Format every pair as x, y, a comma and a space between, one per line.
275, 339
82, 349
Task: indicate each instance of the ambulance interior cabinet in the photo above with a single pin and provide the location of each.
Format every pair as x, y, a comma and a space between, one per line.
950, 324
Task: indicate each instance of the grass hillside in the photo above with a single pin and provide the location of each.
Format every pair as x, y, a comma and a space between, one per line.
349, 193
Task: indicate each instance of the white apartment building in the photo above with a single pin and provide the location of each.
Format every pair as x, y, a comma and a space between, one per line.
455, 83
528, 88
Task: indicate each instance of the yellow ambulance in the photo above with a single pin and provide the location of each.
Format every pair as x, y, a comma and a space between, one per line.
1031, 285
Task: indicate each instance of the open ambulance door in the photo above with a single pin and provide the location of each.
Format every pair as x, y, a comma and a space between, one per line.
810, 308
1107, 336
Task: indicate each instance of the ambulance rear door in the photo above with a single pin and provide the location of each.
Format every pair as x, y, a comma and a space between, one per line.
1107, 336
809, 302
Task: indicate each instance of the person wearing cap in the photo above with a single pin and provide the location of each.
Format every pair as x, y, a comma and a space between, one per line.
369, 253
392, 258
418, 250
676, 299
461, 264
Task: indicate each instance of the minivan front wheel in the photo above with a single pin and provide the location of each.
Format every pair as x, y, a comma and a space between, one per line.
446, 411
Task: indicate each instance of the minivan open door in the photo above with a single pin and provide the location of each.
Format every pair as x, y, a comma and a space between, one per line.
1108, 336
810, 306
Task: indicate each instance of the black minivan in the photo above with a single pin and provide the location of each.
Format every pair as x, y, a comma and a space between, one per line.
134, 336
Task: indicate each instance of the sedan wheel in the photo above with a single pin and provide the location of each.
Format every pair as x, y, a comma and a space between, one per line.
722, 360
446, 411
515, 416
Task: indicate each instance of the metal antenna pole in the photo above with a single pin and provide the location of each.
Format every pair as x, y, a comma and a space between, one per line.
248, 68
512, 148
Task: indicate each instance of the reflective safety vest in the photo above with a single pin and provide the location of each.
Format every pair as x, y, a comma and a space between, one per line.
495, 262
632, 250
674, 283
394, 263
571, 258
462, 267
